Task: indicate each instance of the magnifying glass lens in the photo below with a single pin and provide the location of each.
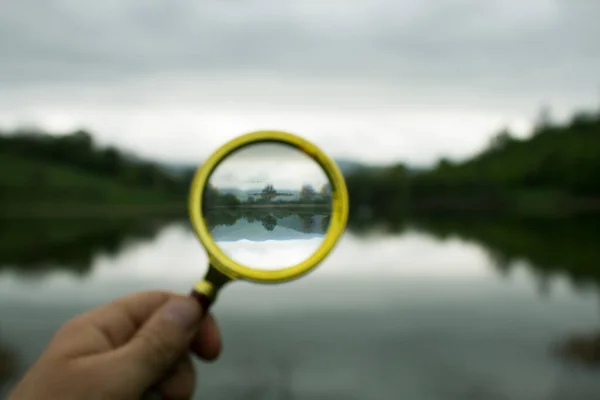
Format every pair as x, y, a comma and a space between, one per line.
268, 205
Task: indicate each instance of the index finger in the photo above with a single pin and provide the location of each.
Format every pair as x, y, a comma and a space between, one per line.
140, 306
108, 326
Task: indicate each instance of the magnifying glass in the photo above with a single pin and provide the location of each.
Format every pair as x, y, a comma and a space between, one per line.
268, 207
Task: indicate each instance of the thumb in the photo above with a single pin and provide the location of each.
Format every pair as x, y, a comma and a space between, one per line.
162, 340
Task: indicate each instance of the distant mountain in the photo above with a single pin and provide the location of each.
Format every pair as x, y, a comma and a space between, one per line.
178, 169
348, 166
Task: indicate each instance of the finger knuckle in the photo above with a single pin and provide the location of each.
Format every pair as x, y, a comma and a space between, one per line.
75, 324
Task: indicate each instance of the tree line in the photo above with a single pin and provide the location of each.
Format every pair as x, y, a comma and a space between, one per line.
214, 196
556, 167
79, 150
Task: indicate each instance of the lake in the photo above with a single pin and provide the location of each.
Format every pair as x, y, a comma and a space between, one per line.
428, 309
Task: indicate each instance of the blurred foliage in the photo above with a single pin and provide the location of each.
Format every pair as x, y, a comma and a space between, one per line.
535, 200
38, 167
381, 191
212, 197
553, 172
8, 364
556, 169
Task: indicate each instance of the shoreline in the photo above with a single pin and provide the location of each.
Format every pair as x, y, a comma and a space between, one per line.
271, 206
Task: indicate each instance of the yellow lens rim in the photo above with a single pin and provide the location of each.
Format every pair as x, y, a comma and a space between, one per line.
337, 224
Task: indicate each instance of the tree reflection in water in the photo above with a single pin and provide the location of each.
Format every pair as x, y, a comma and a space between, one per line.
270, 218
269, 222
549, 247
8, 364
33, 248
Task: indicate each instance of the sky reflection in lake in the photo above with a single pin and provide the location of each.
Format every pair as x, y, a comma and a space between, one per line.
269, 242
271, 254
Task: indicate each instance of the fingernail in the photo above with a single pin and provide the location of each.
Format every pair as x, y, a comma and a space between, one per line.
183, 312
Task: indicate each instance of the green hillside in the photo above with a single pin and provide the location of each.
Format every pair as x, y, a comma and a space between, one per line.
27, 180
46, 175
565, 157
555, 169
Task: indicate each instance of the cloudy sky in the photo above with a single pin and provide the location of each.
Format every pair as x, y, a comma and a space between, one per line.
403, 80
257, 165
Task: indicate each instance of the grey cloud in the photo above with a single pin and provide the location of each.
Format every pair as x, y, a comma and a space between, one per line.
527, 45
432, 76
267, 151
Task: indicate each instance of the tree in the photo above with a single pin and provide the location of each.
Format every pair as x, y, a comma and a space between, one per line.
501, 140
78, 150
211, 195
308, 222
583, 119
82, 138
326, 190
325, 223
307, 192
268, 192
269, 222
148, 174
543, 121
230, 200
444, 164
111, 161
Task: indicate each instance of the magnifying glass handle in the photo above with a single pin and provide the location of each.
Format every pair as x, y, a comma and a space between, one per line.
204, 300
205, 291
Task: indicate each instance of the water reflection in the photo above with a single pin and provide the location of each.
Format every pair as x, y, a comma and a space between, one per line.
270, 237
7, 363
560, 247
549, 248
36, 247
445, 308
234, 220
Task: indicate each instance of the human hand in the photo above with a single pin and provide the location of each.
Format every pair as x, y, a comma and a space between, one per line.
123, 349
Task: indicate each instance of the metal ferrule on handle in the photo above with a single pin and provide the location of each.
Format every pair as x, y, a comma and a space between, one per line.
206, 291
